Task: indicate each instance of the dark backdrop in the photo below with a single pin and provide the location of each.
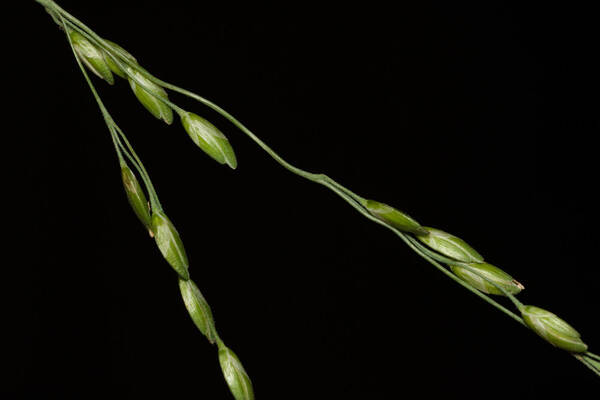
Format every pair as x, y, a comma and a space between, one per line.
478, 120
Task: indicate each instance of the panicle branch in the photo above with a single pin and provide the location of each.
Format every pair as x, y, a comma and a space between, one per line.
449, 253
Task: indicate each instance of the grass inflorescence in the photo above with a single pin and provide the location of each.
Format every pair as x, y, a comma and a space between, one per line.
448, 253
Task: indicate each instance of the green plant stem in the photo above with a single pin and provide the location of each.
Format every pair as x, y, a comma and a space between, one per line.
156, 206
119, 137
113, 137
592, 355
141, 171
587, 363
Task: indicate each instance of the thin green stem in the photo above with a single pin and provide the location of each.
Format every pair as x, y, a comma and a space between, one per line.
132, 160
156, 206
55, 17
361, 200
592, 355
305, 174
113, 136
587, 363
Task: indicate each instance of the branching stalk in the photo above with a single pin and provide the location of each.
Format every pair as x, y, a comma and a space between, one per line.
203, 319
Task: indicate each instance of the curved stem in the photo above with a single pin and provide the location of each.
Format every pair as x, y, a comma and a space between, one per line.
587, 363
136, 165
156, 206
122, 161
592, 355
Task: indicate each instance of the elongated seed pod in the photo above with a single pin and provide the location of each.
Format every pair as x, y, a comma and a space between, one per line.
151, 100
491, 272
394, 217
556, 331
91, 56
136, 197
170, 244
209, 138
112, 64
198, 308
450, 246
237, 379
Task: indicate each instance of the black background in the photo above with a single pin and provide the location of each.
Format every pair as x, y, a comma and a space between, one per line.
476, 119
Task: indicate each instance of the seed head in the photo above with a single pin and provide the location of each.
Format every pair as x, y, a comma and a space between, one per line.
209, 138
198, 308
556, 331
394, 217
91, 56
235, 375
151, 100
136, 197
491, 272
170, 244
450, 246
